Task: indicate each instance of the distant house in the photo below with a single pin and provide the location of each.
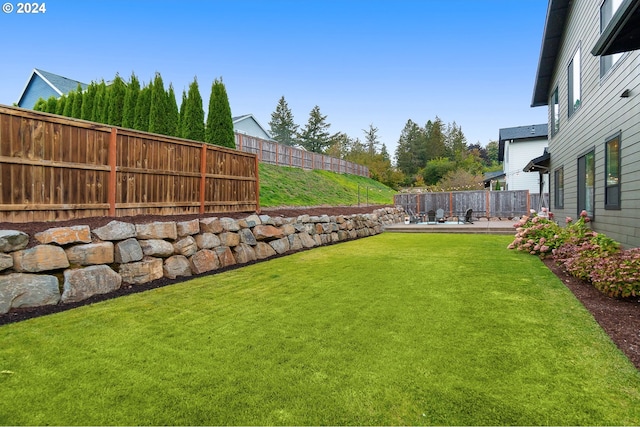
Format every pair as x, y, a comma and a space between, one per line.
248, 125
494, 180
516, 147
43, 84
588, 78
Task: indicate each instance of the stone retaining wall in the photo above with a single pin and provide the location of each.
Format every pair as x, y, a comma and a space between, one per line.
71, 264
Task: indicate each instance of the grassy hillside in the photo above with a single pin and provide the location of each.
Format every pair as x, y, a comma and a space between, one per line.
284, 186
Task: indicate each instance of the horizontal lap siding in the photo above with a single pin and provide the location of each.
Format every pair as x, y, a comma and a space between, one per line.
54, 168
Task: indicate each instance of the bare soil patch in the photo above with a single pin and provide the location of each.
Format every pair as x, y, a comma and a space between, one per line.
619, 318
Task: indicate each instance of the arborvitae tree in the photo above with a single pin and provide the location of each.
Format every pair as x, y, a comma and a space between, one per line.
76, 109
315, 135
88, 101
192, 122
52, 104
104, 113
62, 101
173, 115
183, 105
117, 92
143, 105
219, 129
130, 100
158, 109
40, 105
99, 102
68, 106
283, 128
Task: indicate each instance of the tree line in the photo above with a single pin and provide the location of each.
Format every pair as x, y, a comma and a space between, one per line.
435, 156
150, 108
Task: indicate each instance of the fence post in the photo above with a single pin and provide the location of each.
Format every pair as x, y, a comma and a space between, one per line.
257, 186
277, 159
203, 175
450, 204
239, 141
528, 204
487, 204
113, 182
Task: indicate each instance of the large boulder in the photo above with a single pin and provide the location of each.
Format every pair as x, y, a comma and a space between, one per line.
91, 254
264, 250
267, 232
281, 245
65, 235
13, 240
229, 224
129, 251
82, 283
246, 236
156, 248
147, 270
244, 253
27, 290
203, 261
211, 225
229, 239
6, 261
175, 266
186, 246
116, 230
157, 230
225, 256
188, 228
40, 258
207, 240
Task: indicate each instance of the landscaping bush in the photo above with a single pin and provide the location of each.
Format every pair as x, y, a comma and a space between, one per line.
618, 275
537, 235
584, 253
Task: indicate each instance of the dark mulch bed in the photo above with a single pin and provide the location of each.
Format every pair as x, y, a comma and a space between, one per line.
619, 318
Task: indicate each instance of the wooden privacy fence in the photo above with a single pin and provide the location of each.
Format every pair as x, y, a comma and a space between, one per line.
54, 168
501, 204
274, 153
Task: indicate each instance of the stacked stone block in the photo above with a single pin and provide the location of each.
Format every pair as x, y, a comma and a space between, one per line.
71, 264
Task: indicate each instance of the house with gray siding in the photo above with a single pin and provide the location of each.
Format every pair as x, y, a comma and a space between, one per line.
249, 125
588, 76
43, 84
516, 147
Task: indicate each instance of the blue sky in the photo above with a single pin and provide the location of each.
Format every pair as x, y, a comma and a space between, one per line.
379, 62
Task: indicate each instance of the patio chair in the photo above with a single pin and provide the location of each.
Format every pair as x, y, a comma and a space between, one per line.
467, 216
431, 217
440, 215
413, 218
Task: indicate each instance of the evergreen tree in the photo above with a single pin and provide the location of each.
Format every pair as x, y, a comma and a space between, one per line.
384, 153
99, 102
62, 101
143, 106
408, 152
117, 93
283, 128
68, 106
192, 122
219, 128
371, 139
106, 102
158, 109
173, 115
130, 100
52, 104
87, 101
183, 105
435, 144
315, 135
455, 141
40, 105
76, 109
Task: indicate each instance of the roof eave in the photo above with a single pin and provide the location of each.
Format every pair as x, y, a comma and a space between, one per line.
553, 30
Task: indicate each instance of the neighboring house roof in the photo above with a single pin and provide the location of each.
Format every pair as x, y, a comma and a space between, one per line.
622, 33
520, 133
43, 84
249, 125
539, 164
489, 176
557, 12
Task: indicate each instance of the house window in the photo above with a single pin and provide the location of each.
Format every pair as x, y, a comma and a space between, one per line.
555, 113
573, 73
558, 188
612, 173
587, 183
607, 10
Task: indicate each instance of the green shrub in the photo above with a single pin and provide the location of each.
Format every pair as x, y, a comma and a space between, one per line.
618, 275
537, 235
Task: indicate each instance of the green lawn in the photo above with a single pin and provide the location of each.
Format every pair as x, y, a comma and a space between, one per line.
396, 329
